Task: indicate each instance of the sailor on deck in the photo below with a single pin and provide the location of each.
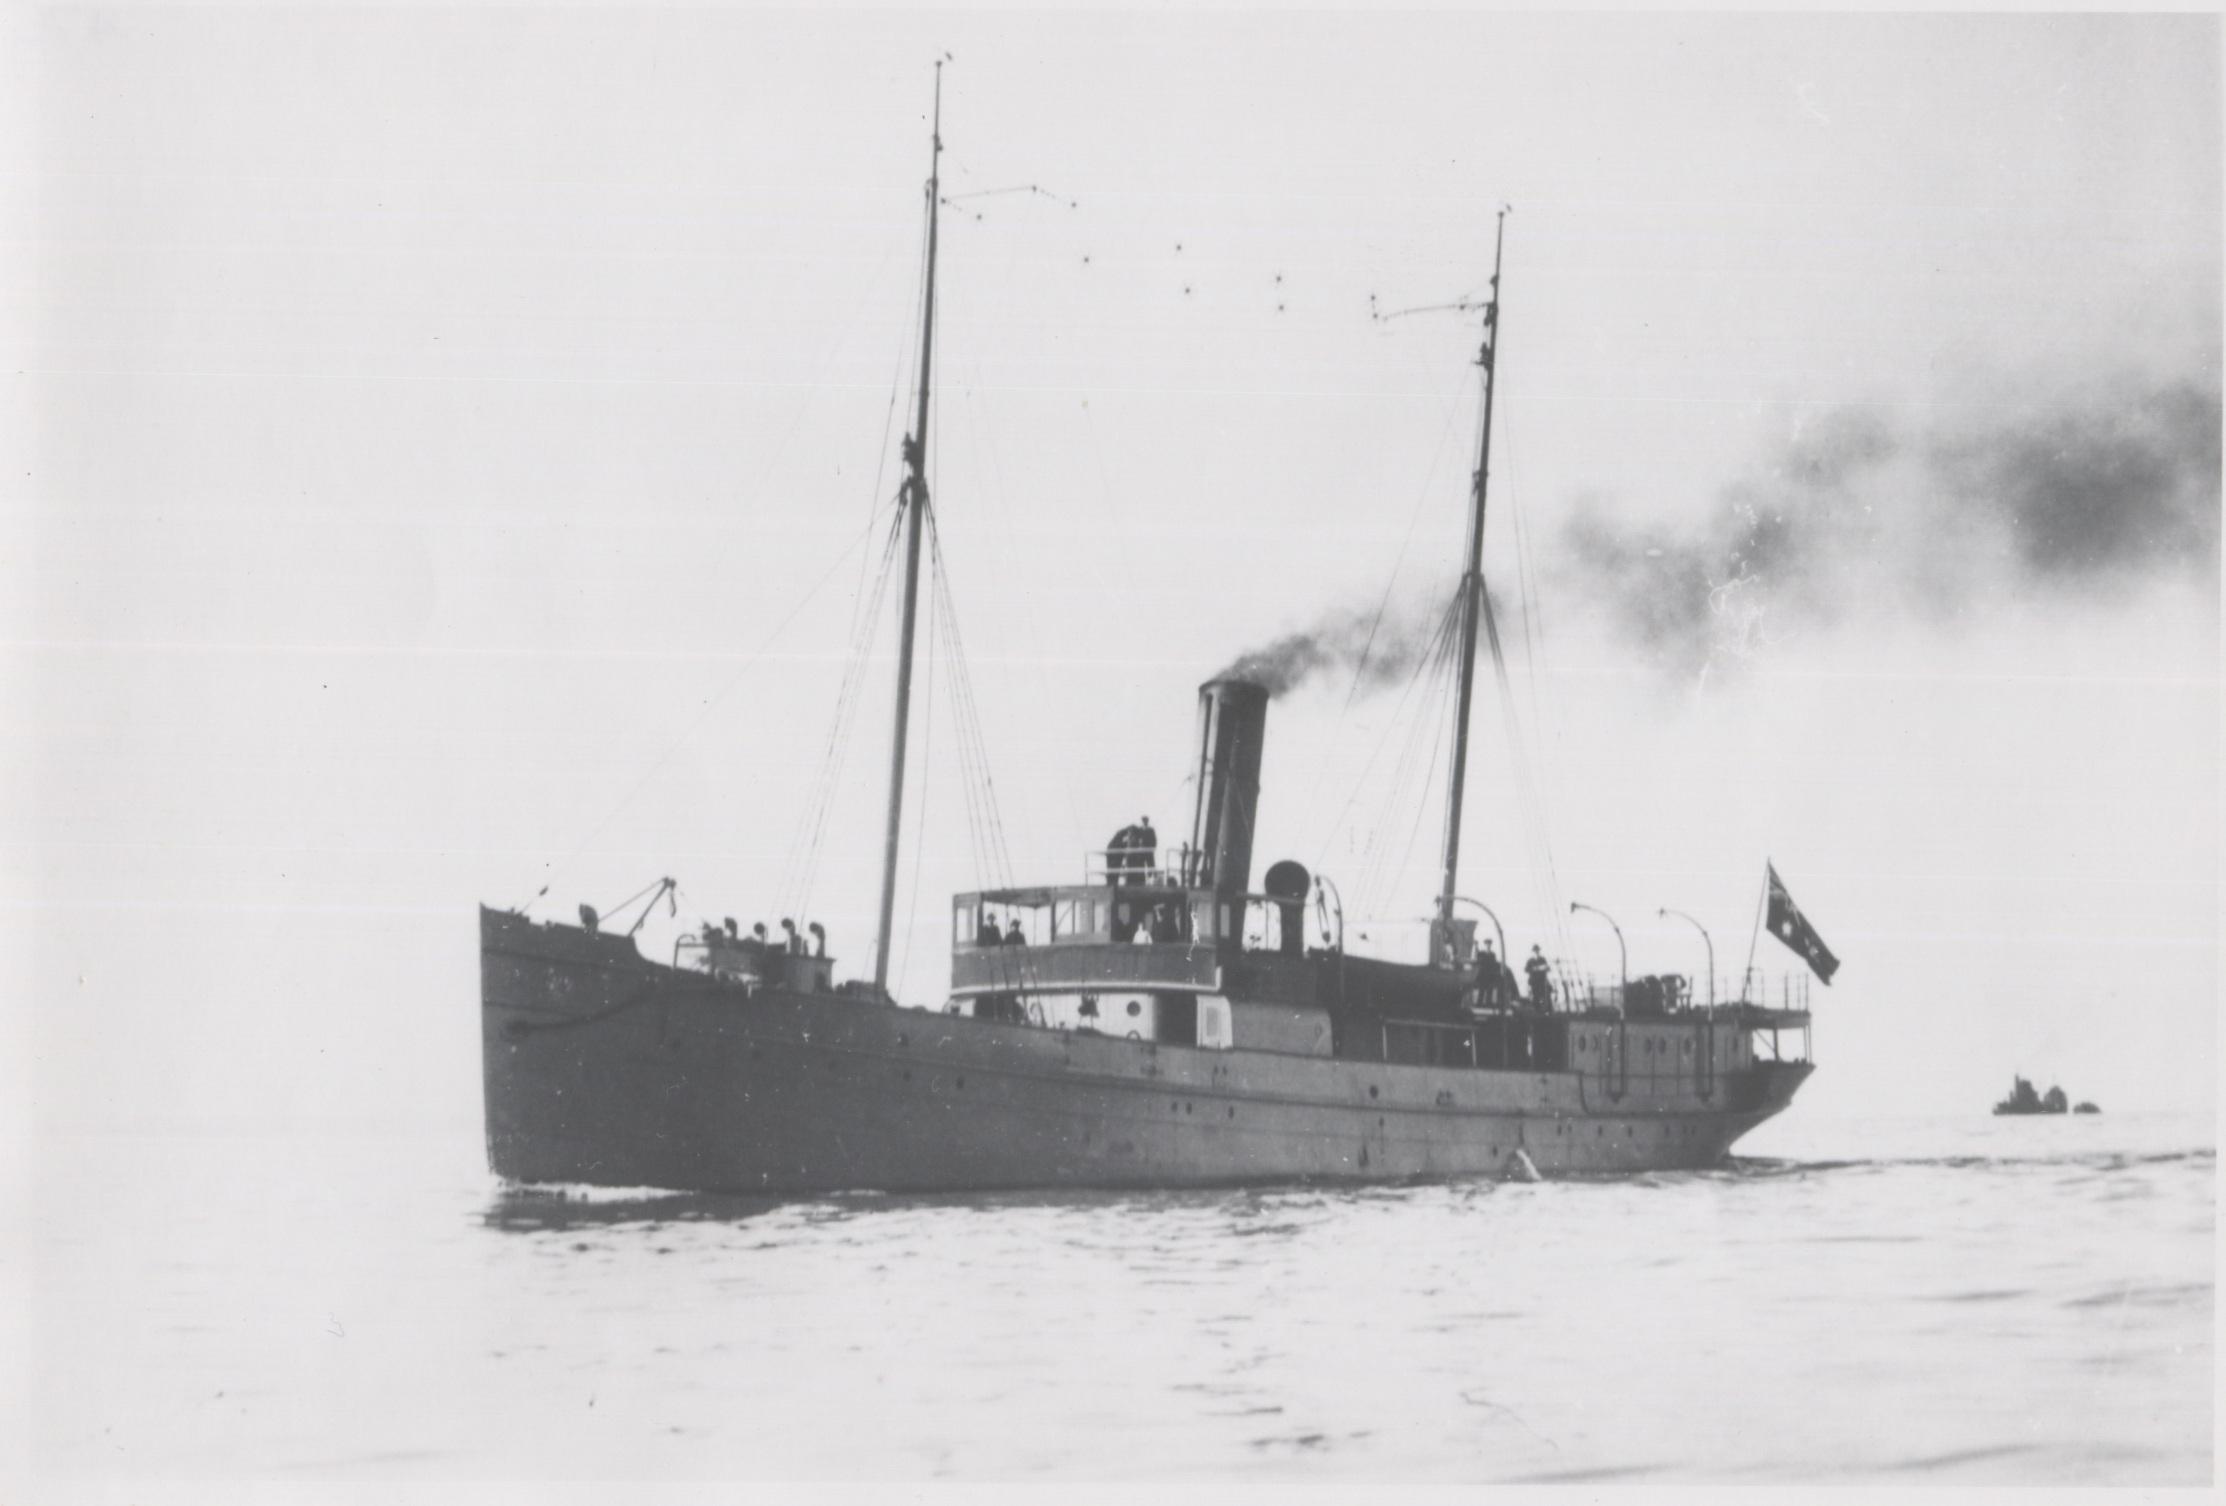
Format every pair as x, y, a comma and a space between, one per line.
1489, 992
1541, 975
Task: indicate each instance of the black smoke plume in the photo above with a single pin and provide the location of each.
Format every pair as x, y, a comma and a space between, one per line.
1858, 511
1380, 648
1861, 512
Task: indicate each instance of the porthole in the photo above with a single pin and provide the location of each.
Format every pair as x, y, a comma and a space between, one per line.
1134, 1009
1371, 1092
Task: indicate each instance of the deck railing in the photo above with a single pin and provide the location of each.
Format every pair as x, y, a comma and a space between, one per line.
1169, 868
1580, 991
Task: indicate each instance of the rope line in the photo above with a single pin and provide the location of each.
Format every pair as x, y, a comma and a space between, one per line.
703, 712
802, 865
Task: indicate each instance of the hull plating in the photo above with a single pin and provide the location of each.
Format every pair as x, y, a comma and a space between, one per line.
601, 1067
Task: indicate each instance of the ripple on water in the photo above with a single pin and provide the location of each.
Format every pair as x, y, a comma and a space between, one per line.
1955, 1458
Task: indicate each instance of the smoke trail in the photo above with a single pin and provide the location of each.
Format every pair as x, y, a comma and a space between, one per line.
1344, 642
1859, 513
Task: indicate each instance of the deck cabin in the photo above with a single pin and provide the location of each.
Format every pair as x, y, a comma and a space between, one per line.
1178, 948
1142, 953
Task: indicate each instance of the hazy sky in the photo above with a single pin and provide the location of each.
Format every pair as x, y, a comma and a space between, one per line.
451, 440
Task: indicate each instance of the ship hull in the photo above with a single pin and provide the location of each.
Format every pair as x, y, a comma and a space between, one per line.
602, 1067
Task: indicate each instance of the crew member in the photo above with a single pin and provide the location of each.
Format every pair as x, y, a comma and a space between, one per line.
1014, 936
1541, 975
1116, 854
1488, 993
1145, 843
986, 933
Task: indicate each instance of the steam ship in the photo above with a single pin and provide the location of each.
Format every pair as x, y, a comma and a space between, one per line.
1162, 1023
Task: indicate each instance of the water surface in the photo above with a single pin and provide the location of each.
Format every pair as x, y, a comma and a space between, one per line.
1930, 1302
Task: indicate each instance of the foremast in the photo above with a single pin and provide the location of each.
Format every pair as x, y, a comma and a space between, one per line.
913, 499
1471, 609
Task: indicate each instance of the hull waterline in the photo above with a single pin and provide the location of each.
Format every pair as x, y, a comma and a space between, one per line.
602, 1067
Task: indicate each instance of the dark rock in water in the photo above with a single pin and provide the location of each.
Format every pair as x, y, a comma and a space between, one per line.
2086, 1108
2023, 1100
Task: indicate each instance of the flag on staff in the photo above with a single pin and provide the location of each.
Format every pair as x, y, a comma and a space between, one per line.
1790, 926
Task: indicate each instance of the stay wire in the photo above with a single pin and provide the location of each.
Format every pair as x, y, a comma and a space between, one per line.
804, 846
1440, 744
1393, 724
1421, 733
703, 711
801, 868
967, 714
1414, 519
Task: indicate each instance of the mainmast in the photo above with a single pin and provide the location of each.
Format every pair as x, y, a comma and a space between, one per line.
914, 500
1472, 601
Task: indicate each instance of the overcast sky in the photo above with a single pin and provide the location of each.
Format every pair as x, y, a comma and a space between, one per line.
453, 438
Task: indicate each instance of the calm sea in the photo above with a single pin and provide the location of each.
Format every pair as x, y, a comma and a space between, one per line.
1923, 1302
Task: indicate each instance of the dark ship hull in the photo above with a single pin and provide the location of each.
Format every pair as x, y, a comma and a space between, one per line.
603, 1067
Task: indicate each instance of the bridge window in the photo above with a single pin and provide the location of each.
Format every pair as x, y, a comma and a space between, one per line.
1077, 919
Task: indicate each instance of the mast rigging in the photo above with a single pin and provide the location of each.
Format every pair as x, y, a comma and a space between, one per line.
1472, 591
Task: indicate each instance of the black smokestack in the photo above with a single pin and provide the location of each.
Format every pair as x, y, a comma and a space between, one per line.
1232, 727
